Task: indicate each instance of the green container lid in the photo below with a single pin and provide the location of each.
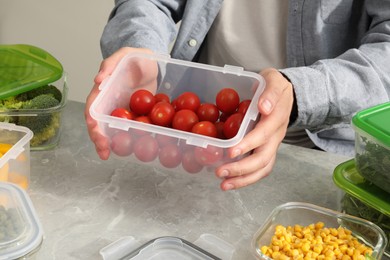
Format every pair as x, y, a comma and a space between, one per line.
375, 121
25, 67
346, 177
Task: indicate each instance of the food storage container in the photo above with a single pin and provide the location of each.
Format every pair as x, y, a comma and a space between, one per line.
299, 215
206, 247
27, 72
372, 144
162, 74
15, 154
362, 198
21, 232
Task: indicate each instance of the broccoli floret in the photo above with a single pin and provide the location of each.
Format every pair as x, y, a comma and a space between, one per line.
47, 89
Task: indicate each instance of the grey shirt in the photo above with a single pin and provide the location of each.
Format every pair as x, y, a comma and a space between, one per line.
338, 53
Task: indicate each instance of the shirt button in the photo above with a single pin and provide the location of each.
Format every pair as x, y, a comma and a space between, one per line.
192, 42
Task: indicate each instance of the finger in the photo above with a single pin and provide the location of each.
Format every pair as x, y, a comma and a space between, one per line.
245, 180
276, 85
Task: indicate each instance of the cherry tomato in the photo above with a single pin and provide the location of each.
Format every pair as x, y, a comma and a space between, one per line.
146, 148
219, 127
122, 144
170, 156
189, 163
232, 125
227, 100
243, 106
162, 97
164, 140
206, 128
142, 119
187, 100
223, 117
208, 112
184, 120
123, 113
162, 114
209, 155
142, 101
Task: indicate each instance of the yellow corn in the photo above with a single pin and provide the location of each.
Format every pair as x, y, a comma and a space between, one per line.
314, 241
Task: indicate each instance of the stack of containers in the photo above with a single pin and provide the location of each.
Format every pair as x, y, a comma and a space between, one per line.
26, 72
366, 178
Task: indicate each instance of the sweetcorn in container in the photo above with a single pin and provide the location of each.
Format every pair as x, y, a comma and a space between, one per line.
162, 74
15, 154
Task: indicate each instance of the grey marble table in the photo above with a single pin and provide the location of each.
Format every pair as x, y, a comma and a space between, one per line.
85, 203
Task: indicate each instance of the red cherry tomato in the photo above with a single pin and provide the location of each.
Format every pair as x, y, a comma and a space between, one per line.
219, 127
162, 114
232, 125
208, 112
123, 113
142, 101
146, 148
122, 144
164, 140
142, 119
162, 97
184, 120
206, 128
170, 156
187, 100
189, 163
223, 117
227, 100
209, 155
243, 106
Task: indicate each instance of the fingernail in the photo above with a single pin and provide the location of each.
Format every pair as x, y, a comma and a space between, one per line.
267, 105
236, 153
224, 174
229, 186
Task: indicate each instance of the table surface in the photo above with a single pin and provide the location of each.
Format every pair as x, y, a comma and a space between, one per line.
85, 203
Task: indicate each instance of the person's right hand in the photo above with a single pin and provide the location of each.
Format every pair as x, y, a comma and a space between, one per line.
107, 66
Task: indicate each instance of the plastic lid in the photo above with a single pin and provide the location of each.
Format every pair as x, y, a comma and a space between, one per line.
168, 248
22, 232
25, 67
347, 178
375, 121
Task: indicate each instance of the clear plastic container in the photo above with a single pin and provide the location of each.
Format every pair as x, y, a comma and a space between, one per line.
15, 161
372, 144
22, 233
161, 74
206, 247
304, 214
362, 198
26, 68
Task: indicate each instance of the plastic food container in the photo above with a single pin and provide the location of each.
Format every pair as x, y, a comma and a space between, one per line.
304, 214
15, 161
26, 68
168, 247
21, 232
372, 144
362, 198
162, 74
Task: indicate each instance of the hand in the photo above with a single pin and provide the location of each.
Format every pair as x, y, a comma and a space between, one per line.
274, 105
106, 68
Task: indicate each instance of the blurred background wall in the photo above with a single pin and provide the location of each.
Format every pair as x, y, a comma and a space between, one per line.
70, 30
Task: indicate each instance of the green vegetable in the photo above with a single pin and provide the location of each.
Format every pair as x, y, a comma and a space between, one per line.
45, 124
355, 207
374, 164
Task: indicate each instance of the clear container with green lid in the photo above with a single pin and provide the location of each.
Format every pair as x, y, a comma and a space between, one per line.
372, 144
362, 198
33, 92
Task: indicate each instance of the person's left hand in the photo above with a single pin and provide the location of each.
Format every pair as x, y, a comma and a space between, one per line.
274, 105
